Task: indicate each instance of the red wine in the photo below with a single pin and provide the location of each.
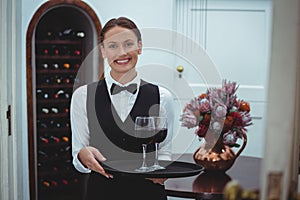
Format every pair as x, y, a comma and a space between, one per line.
159, 136
145, 136
151, 136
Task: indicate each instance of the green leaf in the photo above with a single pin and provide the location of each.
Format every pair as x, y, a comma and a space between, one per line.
236, 145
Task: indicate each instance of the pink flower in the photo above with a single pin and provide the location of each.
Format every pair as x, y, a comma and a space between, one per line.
204, 106
229, 87
216, 126
220, 111
188, 120
230, 138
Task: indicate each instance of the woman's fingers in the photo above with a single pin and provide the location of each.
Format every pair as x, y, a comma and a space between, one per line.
98, 155
160, 181
88, 156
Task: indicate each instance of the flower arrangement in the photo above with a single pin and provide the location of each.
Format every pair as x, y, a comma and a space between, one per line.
218, 112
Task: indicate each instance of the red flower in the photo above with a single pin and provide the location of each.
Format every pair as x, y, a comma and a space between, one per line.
203, 96
206, 120
201, 130
242, 105
238, 119
228, 123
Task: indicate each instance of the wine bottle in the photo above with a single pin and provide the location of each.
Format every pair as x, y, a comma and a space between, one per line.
77, 52
45, 110
46, 184
77, 66
45, 35
42, 124
44, 66
54, 183
58, 79
64, 181
44, 80
45, 51
42, 154
49, 184
55, 65
47, 80
50, 35
65, 139
59, 94
70, 79
66, 65
54, 124
67, 110
54, 110
66, 34
67, 80
55, 50
80, 34
43, 140
41, 94
55, 139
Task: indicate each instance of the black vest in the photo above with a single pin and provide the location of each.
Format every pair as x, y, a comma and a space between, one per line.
112, 137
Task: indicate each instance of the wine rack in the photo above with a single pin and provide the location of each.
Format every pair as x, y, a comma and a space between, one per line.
62, 53
58, 58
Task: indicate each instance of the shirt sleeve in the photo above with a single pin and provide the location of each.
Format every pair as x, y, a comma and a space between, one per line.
79, 126
166, 109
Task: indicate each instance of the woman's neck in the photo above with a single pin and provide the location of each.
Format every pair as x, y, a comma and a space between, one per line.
124, 78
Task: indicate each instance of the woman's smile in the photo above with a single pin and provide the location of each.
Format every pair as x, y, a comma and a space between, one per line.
123, 61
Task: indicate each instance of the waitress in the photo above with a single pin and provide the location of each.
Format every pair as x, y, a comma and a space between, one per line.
103, 115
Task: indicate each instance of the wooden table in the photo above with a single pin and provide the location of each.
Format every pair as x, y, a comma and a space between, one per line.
246, 170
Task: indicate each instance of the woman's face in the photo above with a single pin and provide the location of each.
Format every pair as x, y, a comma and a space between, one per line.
121, 48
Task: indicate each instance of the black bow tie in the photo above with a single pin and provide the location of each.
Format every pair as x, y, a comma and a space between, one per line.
115, 89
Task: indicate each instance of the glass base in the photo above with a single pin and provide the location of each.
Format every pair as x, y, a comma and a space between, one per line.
157, 167
144, 169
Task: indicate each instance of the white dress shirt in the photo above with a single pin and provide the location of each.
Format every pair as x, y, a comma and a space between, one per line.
123, 103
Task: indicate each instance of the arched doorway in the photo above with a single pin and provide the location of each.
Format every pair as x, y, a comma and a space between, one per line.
61, 39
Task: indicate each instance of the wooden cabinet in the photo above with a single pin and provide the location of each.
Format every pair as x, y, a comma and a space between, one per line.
60, 37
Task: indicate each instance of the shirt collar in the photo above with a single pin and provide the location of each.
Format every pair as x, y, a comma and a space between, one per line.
109, 81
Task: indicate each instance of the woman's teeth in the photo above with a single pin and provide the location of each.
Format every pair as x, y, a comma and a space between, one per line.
122, 61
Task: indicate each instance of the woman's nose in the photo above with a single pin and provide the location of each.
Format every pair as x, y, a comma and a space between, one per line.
122, 51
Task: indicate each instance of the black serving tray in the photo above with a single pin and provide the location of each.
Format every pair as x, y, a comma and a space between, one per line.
174, 169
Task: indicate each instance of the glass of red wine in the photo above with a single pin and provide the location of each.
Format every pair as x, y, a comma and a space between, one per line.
161, 129
144, 128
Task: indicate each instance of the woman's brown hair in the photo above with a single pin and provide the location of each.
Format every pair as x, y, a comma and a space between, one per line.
122, 22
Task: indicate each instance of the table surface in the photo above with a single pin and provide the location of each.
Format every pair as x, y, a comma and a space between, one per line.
246, 170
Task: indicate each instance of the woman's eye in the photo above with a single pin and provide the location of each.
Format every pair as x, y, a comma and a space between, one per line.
112, 46
129, 44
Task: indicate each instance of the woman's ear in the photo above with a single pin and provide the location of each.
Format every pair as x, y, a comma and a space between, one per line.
102, 51
140, 46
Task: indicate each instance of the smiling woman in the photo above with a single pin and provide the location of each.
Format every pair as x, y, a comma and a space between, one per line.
105, 130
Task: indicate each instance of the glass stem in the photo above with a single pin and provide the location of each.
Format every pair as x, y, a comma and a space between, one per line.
156, 154
144, 165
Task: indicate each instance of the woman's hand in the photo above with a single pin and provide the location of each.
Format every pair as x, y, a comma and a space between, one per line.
160, 181
88, 156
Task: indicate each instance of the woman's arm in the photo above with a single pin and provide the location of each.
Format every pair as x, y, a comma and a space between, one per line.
166, 109
83, 155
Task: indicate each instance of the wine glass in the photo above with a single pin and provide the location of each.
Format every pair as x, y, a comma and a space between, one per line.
144, 129
161, 129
